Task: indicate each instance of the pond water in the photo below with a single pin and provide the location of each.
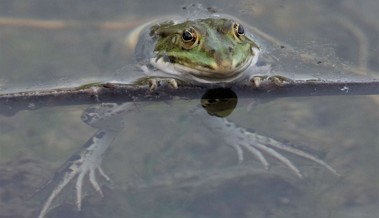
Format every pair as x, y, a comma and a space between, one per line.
165, 162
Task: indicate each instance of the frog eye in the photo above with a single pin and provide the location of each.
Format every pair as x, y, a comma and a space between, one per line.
189, 38
238, 30
188, 35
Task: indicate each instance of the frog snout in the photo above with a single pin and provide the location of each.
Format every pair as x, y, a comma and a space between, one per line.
226, 50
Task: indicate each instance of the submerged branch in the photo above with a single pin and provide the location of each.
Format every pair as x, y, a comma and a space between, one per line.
11, 103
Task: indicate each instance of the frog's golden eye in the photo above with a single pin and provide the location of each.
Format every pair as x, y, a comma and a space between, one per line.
189, 38
238, 30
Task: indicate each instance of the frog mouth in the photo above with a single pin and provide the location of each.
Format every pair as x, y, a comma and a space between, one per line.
225, 72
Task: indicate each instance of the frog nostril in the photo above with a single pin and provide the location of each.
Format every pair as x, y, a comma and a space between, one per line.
212, 51
230, 49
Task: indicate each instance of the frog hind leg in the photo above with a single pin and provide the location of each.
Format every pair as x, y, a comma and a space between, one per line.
107, 118
241, 139
88, 161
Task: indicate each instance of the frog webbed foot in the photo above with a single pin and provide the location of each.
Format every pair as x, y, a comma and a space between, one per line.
87, 162
254, 143
241, 139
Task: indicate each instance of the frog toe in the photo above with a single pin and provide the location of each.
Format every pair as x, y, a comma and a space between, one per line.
105, 176
173, 84
79, 184
251, 149
256, 81
153, 84
93, 181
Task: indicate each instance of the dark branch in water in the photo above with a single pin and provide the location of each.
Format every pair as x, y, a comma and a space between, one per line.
111, 92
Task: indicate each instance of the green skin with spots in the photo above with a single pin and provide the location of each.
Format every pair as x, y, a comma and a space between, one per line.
217, 51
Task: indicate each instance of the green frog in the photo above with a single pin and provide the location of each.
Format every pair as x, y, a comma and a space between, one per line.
206, 49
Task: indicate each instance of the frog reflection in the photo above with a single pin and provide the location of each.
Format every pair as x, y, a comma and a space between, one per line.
219, 102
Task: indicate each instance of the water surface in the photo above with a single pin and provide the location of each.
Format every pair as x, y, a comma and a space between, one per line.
165, 163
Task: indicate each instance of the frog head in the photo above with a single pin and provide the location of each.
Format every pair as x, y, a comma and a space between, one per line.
211, 49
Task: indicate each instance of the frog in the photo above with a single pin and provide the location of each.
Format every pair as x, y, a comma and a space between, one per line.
209, 49
212, 48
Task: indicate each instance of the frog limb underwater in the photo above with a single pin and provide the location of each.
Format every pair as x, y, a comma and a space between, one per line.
215, 50
108, 118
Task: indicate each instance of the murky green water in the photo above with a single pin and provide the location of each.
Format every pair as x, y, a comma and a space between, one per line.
165, 163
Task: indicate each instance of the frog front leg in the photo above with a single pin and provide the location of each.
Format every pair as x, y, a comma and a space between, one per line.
155, 78
257, 76
276, 79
